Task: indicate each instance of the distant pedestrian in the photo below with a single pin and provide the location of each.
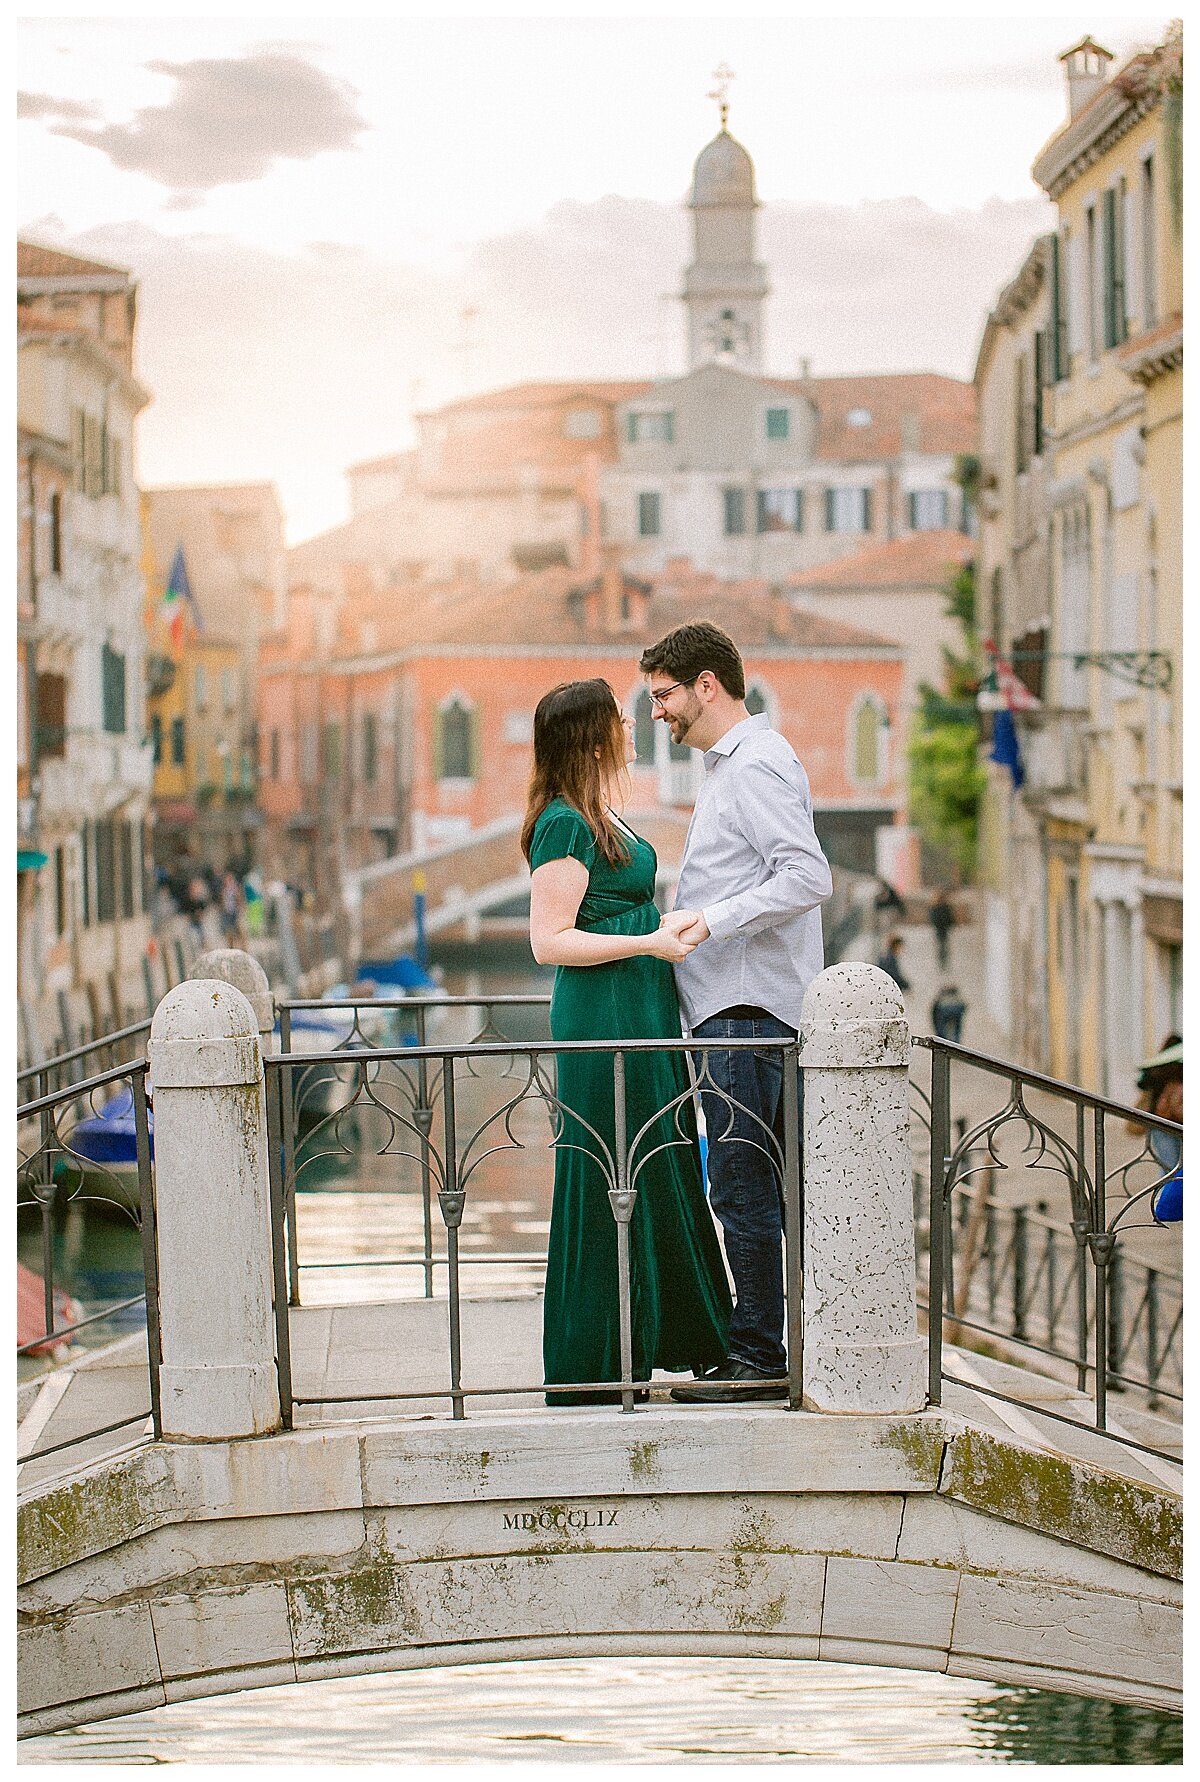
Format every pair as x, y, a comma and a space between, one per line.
947, 1013
889, 961
231, 909
888, 898
942, 919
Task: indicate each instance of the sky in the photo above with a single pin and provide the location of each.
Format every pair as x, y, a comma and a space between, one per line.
312, 204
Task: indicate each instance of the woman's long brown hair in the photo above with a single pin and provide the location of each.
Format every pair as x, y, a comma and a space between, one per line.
579, 756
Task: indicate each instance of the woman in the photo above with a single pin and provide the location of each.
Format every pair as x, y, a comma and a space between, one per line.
593, 915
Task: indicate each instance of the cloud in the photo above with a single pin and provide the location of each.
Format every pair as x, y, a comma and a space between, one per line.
45, 105
266, 365
228, 121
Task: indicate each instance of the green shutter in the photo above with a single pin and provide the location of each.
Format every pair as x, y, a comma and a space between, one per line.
829, 515
799, 510
1109, 226
475, 744
1057, 366
866, 510
631, 428
438, 748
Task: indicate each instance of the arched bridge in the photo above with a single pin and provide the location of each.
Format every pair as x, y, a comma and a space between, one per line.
183, 1570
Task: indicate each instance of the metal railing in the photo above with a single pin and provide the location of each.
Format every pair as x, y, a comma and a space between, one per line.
55, 1175
402, 1105
125, 1045
1066, 1293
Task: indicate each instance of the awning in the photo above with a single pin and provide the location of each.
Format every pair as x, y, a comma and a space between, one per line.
29, 859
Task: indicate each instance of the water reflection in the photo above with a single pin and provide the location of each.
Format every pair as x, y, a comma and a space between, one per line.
662, 1710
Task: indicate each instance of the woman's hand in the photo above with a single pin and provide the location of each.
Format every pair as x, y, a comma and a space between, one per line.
665, 943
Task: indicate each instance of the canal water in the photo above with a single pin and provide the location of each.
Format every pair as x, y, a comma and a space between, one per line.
661, 1710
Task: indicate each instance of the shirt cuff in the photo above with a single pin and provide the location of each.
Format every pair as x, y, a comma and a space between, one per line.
722, 922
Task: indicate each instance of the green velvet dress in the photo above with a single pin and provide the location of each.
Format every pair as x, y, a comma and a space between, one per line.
679, 1292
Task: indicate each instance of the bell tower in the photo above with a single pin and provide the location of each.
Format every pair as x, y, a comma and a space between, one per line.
725, 287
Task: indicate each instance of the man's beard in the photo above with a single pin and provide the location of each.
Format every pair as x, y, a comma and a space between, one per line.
685, 722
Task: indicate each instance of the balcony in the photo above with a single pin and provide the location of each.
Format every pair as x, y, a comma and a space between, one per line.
1053, 747
61, 614
91, 772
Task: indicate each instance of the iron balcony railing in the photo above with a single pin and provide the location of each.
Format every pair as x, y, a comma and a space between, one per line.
55, 1175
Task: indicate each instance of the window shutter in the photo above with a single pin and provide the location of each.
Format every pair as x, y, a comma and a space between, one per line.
631, 429
1120, 305
1109, 261
761, 502
866, 510
1132, 249
912, 511
439, 752
85, 874
1057, 368
112, 675
829, 511
669, 427
475, 744
1039, 382
799, 510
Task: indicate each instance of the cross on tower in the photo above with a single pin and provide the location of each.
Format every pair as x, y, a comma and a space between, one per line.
722, 74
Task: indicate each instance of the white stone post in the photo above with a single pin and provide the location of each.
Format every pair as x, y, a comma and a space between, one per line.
232, 966
213, 1213
861, 1348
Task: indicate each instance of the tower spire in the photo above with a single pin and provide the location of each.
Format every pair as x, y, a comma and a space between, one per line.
722, 74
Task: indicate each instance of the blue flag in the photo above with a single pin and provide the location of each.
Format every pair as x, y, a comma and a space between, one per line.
1006, 750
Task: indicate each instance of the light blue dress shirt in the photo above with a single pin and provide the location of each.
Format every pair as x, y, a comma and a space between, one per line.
752, 863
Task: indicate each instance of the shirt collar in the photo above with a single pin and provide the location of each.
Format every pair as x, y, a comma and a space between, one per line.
737, 733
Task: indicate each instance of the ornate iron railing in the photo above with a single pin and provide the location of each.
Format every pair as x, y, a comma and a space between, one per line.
1068, 1293
56, 1174
127, 1045
401, 1105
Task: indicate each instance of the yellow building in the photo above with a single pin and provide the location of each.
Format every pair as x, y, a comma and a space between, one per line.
1112, 820
203, 773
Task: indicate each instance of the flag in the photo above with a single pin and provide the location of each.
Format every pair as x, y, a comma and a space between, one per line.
1006, 750
177, 599
1013, 691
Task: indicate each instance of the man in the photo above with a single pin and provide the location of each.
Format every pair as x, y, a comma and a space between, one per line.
753, 879
947, 1013
941, 920
889, 961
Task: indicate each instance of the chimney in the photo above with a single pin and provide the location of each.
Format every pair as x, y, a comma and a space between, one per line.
1085, 65
805, 369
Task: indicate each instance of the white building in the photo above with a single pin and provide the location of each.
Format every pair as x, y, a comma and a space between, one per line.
84, 917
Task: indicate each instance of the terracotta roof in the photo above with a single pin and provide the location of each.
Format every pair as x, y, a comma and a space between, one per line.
549, 395
34, 261
549, 609
943, 411
918, 560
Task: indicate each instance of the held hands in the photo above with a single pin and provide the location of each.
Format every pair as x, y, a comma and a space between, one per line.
680, 932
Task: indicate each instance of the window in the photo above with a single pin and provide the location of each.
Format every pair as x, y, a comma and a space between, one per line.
859, 417
1149, 246
779, 423
582, 423
332, 749
56, 533
156, 737
177, 742
644, 426
85, 874
847, 510
370, 762
649, 514
229, 688
126, 841
781, 510
928, 510
868, 722
735, 511
51, 702
756, 701
201, 688
1113, 214
308, 754
1093, 332
60, 890
643, 730
112, 676
274, 746
106, 888
456, 742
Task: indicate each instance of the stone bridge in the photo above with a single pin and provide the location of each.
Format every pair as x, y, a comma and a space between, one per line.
187, 1569
235, 1552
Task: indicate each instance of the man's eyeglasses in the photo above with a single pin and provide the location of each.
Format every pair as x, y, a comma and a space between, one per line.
660, 698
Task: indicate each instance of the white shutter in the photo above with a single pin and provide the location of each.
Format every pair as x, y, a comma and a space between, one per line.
1123, 612
1076, 294
1133, 262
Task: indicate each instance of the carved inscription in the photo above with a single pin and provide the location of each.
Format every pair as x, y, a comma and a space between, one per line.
560, 1518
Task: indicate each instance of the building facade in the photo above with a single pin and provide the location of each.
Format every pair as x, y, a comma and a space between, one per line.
1086, 357
85, 758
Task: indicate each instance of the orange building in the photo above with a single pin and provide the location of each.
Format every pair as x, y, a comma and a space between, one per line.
403, 717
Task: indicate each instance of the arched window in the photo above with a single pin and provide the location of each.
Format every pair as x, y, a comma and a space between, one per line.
756, 701
868, 739
643, 729
455, 740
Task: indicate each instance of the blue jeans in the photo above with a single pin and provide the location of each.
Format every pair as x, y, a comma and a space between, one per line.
745, 1186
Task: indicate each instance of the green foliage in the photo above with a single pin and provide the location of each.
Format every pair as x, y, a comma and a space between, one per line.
946, 778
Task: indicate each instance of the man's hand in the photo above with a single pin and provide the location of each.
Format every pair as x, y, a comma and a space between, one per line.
689, 925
